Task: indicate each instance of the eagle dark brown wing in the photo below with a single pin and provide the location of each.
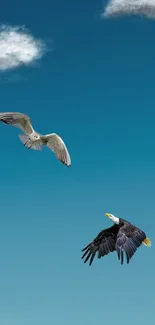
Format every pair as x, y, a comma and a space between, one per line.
129, 238
102, 245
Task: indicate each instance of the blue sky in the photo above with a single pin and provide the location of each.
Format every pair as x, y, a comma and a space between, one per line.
96, 90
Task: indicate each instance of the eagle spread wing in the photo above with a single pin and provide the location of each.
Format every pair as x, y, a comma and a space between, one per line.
129, 238
103, 244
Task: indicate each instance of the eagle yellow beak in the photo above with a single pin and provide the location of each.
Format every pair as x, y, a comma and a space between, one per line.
107, 214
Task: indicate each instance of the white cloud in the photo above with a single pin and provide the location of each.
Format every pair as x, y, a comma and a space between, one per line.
129, 7
18, 47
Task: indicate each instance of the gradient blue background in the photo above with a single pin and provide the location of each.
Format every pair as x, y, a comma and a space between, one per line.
97, 90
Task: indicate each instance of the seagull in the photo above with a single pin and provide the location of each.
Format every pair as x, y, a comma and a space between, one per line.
35, 140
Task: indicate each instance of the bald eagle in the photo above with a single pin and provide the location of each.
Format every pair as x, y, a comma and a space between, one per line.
121, 237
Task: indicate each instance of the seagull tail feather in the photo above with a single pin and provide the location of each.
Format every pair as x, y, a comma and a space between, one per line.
28, 143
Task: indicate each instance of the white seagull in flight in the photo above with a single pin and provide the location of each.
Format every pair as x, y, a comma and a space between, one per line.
34, 140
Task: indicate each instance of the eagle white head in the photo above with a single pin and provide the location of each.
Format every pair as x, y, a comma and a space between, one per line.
113, 218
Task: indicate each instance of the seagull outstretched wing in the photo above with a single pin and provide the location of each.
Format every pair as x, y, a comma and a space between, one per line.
56, 144
18, 120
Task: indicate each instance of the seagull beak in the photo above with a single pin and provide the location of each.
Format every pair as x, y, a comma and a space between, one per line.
107, 215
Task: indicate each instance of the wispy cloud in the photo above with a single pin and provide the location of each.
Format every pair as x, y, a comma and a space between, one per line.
18, 47
129, 7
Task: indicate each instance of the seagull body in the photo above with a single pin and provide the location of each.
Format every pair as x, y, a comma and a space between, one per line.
34, 140
122, 237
